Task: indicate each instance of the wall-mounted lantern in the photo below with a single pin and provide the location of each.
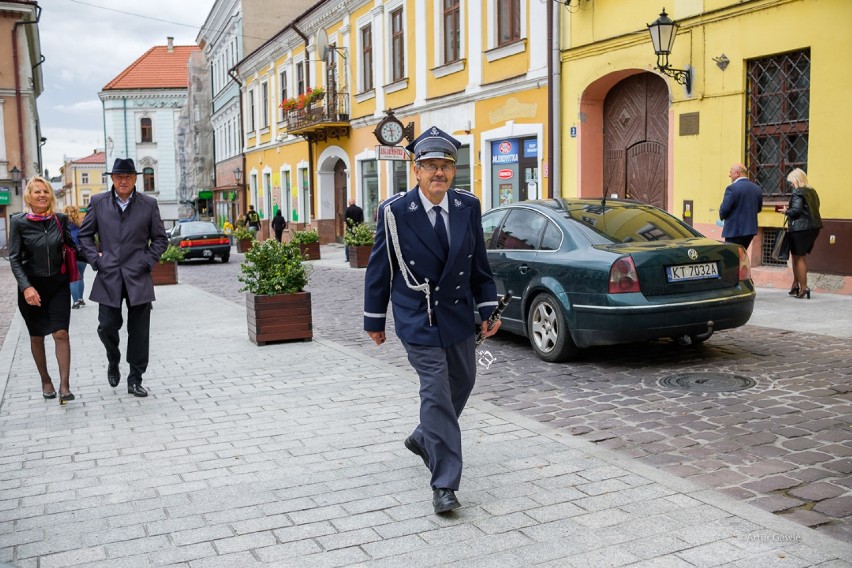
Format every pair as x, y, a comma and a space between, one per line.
663, 32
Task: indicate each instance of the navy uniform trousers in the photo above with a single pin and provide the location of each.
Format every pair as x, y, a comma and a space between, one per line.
447, 376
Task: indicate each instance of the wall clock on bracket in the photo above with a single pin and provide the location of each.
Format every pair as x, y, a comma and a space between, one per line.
390, 131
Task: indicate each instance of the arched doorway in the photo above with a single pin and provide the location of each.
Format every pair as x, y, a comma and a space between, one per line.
636, 126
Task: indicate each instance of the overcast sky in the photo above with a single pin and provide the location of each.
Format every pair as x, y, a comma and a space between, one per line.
86, 43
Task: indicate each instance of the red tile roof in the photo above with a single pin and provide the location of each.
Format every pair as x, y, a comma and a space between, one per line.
156, 69
96, 158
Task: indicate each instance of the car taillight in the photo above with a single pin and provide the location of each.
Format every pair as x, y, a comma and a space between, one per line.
224, 241
623, 277
184, 244
745, 265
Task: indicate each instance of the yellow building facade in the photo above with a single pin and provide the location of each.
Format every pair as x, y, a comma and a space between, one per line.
84, 178
477, 71
767, 90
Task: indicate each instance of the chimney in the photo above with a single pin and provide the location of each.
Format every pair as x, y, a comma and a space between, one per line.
171, 44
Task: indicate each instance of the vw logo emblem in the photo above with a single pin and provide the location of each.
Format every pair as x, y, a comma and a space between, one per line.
692, 254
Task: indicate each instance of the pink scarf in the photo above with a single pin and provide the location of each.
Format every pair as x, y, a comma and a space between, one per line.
36, 217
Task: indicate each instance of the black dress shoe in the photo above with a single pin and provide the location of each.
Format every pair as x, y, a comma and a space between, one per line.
444, 501
417, 449
136, 390
113, 375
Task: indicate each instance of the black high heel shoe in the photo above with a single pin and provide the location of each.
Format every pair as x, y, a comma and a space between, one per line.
48, 395
794, 291
804, 293
65, 398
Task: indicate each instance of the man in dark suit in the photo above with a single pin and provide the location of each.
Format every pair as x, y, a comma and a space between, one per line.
131, 239
353, 215
429, 261
742, 202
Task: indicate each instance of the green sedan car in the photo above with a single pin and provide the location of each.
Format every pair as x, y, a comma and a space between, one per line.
586, 272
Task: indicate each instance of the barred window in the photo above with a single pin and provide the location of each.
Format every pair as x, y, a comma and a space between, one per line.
778, 96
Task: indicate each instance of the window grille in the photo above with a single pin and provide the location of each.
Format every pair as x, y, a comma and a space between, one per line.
778, 96
769, 238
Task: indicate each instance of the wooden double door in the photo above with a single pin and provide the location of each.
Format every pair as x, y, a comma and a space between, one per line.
636, 126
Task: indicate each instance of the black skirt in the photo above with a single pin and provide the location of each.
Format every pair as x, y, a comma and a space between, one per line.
802, 242
55, 310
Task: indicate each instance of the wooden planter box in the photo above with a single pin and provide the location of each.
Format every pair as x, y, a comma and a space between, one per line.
164, 273
282, 317
310, 249
359, 255
243, 245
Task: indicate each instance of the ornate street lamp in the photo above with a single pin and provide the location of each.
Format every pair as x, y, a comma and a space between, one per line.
238, 176
16, 178
663, 32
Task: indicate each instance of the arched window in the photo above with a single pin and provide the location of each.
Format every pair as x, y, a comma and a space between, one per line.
147, 130
148, 179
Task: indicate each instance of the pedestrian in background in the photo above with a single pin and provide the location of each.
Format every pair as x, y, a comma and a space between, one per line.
353, 215
78, 287
429, 261
804, 224
37, 238
252, 221
742, 202
279, 223
131, 238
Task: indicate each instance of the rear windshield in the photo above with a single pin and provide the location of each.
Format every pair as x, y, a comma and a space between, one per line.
197, 228
627, 224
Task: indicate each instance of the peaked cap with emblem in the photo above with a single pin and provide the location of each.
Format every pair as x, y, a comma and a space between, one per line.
434, 143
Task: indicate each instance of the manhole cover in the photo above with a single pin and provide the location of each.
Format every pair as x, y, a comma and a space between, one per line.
707, 382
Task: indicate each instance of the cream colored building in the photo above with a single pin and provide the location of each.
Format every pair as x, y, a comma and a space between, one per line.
481, 78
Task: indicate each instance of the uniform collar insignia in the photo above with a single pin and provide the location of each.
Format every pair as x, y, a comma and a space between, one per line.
412, 206
457, 202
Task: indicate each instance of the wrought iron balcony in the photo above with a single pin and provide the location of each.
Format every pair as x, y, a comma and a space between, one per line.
321, 119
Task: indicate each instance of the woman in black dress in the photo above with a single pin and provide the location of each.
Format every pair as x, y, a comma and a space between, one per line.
36, 239
804, 223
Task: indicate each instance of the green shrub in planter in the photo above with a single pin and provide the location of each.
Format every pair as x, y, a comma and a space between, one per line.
241, 233
172, 254
271, 268
305, 237
359, 234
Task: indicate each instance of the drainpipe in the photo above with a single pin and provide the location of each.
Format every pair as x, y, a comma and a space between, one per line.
232, 73
124, 112
310, 144
554, 134
18, 103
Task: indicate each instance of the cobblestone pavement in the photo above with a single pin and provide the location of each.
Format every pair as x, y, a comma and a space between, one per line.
784, 445
290, 455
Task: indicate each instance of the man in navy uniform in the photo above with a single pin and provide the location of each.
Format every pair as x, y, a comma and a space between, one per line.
429, 261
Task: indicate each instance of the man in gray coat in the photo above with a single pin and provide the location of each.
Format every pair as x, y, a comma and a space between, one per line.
131, 238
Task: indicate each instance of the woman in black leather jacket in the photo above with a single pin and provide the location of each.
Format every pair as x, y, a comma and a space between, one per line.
804, 223
36, 239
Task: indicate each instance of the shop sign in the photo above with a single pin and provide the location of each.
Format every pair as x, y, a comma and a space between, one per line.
504, 152
5, 198
530, 148
505, 173
391, 153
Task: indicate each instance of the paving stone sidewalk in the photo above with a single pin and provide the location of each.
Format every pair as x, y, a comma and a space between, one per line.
292, 455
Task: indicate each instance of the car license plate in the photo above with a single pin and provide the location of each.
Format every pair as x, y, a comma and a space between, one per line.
700, 271
207, 252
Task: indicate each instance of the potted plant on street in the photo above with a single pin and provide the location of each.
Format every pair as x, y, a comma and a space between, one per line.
165, 271
277, 307
359, 238
308, 243
244, 239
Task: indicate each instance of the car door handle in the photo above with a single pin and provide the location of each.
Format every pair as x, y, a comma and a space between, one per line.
523, 269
